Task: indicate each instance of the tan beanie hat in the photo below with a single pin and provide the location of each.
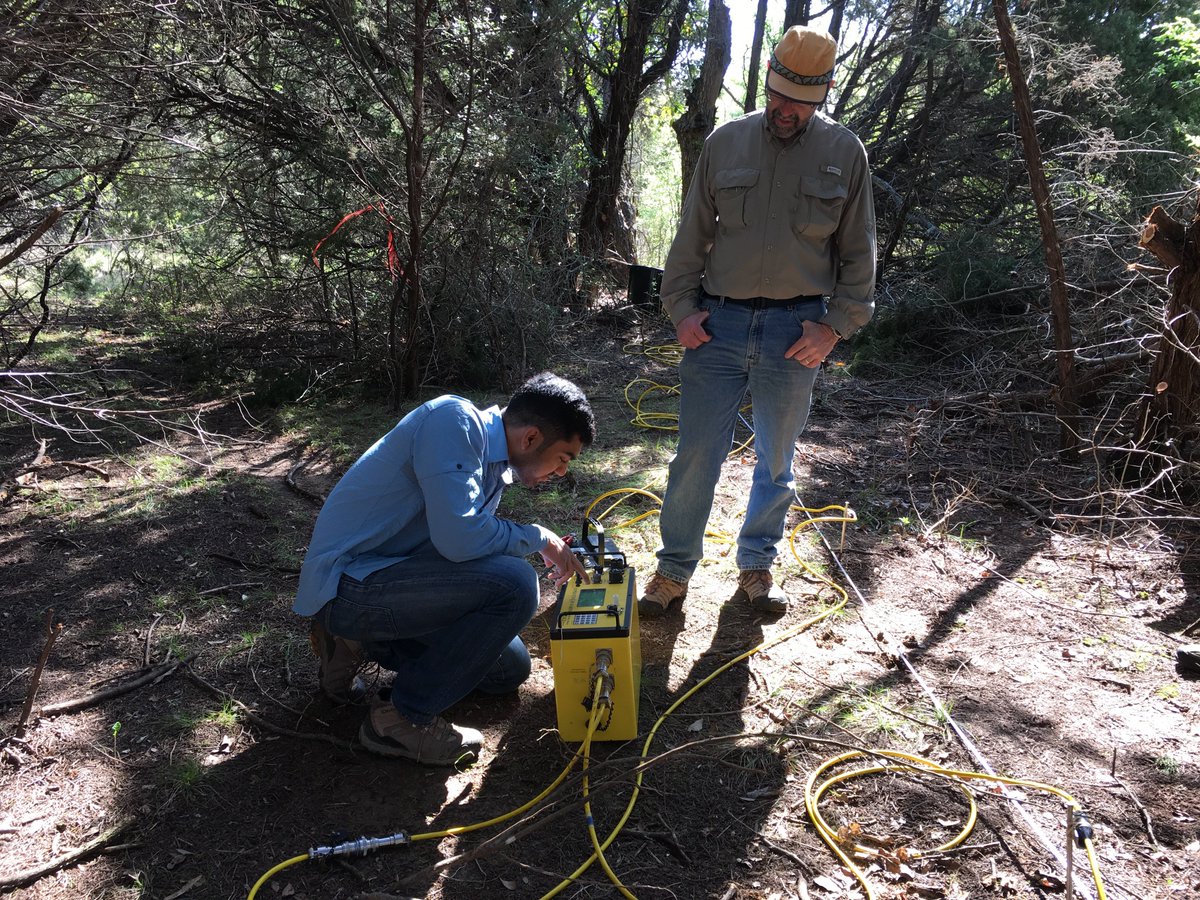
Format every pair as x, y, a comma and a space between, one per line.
802, 65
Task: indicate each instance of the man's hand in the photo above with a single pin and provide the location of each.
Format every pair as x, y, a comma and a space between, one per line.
690, 331
814, 345
563, 564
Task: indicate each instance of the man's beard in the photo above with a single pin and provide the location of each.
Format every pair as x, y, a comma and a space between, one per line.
782, 131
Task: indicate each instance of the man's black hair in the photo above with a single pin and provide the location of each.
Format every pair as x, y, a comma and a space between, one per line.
556, 406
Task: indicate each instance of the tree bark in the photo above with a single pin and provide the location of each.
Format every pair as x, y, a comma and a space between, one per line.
756, 48
796, 12
837, 10
700, 114
1171, 410
1067, 398
601, 216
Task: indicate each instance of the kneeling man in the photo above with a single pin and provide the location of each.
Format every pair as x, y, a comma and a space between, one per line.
410, 566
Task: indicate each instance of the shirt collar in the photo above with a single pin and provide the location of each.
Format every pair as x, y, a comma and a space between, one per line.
797, 137
495, 450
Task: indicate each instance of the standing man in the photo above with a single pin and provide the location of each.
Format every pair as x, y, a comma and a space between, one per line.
410, 566
779, 216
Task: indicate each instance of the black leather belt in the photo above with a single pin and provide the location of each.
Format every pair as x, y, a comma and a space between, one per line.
768, 302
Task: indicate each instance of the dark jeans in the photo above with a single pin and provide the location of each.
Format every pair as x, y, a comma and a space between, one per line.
445, 628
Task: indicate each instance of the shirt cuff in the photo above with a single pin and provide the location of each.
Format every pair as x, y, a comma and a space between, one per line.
836, 329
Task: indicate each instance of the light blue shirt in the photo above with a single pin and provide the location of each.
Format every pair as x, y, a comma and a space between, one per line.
435, 479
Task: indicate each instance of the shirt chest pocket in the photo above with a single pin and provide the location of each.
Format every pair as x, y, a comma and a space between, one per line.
819, 207
732, 186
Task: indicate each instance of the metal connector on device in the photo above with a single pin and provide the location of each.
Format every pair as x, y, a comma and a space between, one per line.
604, 659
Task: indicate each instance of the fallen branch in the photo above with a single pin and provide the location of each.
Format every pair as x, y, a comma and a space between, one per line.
78, 703
265, 724
290, 481
1141, 809
52, 632
1042, 518
20, 879
195, 882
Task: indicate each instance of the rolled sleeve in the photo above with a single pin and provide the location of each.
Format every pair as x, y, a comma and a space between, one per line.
685, 262
852, 303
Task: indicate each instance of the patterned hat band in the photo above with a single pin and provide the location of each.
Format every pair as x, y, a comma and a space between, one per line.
784, 72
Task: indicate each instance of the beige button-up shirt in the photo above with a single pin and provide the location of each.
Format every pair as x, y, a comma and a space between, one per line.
764, 219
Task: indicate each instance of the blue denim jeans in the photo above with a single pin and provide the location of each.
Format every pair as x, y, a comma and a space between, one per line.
445, 628
745, 352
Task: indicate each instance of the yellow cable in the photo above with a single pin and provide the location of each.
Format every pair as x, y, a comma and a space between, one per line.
598, 851
274, 869
718, 536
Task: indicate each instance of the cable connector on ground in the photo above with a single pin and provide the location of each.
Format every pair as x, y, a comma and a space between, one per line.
360, 846
1083, 829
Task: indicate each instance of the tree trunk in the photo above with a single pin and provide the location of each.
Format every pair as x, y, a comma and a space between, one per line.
700, 114
796, 12
1171, 410
601, 217
925, 16
1067, 399
753, 88
408, 286
837, 10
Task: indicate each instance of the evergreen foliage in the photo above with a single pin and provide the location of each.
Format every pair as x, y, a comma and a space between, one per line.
183, 162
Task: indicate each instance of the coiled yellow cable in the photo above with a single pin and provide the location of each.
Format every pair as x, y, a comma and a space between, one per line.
919, 765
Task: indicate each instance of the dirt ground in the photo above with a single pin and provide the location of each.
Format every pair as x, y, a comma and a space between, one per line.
993, 624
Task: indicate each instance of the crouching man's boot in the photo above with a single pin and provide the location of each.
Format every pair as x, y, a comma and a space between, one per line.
340, 660
439, 743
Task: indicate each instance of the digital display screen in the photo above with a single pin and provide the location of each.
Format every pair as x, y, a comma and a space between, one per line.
590, 597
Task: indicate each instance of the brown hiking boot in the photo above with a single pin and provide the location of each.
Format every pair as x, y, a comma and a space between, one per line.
340, 660
440, 743
660, 595
758, 587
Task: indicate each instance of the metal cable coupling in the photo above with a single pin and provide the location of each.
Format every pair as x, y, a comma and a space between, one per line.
360, 846
607, 685
1083, 829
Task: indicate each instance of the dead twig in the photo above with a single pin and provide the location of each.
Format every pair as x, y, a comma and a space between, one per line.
149, 636
195, 882
96, 845
251, 567
784, 852
229, 587
290, 481
265, 724
52, 632
1140, 808
153, 676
